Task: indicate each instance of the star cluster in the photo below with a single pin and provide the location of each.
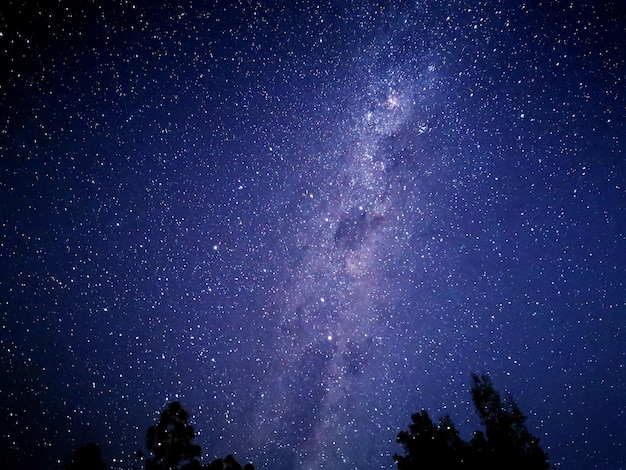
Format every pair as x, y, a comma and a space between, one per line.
308, 221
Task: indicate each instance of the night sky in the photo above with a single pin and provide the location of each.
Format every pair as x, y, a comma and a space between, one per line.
307, 221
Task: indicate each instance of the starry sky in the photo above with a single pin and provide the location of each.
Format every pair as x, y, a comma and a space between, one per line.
308, 220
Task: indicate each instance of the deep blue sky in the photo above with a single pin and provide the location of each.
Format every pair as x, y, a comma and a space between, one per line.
307, 222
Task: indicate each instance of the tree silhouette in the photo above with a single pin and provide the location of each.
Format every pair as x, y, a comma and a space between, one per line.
170, 441
86, 457
506, 442
171, 447
228, 463
429, 445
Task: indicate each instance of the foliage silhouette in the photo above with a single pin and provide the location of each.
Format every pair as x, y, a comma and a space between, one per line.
87, 457
171, 447
506, 442
170, 441
228, 463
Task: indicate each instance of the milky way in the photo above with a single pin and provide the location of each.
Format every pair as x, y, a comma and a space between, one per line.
334, 326
307, 222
